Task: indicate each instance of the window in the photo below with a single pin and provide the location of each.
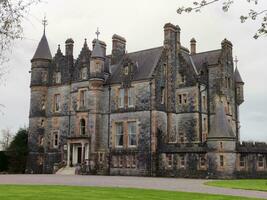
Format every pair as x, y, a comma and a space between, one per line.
101, 157
260, 161
130, 97
228, 108
121, 98
242, 161
119, 134
202, 161
184, 98
169, 160
82, 98
126, 70
84, 73
120, 161
55, 139
221, 161
132, 141
82, 127
182, 161
180, 99
162, 95
41, 141
182, 139
204, 124
58, 77
183, 78
204, 102
57, 102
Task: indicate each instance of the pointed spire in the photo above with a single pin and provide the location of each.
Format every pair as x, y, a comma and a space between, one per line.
43, 51
238, 78
97, 50
220, 128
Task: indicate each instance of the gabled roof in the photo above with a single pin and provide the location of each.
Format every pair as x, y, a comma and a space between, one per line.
238, 78
145, 61
43, 51
220, 128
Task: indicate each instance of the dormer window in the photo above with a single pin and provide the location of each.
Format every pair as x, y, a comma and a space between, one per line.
57, 77
126, 70
84, 73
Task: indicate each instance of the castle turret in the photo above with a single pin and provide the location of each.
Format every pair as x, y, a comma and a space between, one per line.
39, 80
221, 143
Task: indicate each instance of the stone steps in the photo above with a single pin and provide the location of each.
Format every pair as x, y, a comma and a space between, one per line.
66, 171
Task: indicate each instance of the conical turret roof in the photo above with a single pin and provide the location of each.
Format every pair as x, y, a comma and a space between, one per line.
42, 51
238, 78
97, 50
220, 128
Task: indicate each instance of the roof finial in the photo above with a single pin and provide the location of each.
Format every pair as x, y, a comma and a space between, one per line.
236, 61
97, 33
44, 22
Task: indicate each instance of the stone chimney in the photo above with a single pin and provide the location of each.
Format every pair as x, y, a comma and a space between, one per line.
118, 48
193, 46
69, 47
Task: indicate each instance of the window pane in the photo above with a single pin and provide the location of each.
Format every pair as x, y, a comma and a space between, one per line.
132, 133
119, 134
121, 98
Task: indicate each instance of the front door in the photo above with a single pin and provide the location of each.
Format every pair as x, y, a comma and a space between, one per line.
79, 155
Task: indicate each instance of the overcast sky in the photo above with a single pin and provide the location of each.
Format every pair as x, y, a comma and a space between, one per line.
141, 23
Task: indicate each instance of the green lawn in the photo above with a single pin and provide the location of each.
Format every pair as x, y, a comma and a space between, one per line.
21, 192
252, 184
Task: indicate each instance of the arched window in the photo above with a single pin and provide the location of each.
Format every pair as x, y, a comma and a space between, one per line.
82, 127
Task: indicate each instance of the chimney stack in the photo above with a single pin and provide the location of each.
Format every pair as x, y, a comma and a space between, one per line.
193, 47
118, 48
69, 47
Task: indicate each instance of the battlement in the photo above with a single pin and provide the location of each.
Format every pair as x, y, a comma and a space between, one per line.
252, 147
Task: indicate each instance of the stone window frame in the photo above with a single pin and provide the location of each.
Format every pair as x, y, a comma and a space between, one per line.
260, 163
82, 126
84, 73
183, 98
204, 102
128, 133
202, 161
221, 161
58, 77
130, 97
121, 98
169, 160
182, 161
57, 103
82, 104
121, 134
162, 95
242, 159
55, 138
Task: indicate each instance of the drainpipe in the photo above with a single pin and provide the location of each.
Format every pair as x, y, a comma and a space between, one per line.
109, 156
150, 135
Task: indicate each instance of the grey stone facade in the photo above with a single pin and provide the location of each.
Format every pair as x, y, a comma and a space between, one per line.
165, 111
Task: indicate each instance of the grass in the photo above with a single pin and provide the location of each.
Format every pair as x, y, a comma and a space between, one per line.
26, 192
252, 184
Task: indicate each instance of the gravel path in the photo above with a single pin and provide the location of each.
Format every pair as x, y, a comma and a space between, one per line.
186, 185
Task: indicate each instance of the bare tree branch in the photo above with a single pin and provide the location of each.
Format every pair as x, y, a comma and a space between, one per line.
197, 6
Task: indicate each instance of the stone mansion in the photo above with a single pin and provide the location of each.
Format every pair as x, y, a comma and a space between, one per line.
164, 111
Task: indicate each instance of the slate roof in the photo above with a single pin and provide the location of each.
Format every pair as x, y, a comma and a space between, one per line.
238, 78
220, 128
42, 51
211, 57
145, 60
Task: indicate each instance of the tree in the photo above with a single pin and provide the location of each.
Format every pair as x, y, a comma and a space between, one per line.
12, 13
252, 14
6, 138
17, 152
